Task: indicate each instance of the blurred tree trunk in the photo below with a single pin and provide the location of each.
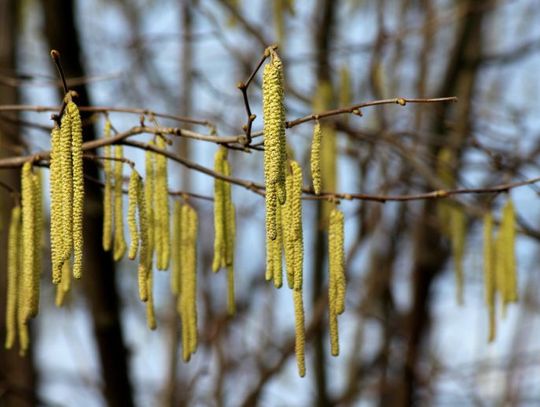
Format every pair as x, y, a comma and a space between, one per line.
323, 34
430, 252
99, 283
17, 375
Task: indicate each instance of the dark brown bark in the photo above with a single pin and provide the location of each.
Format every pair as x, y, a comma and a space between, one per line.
98, 281
17, 374
323, 37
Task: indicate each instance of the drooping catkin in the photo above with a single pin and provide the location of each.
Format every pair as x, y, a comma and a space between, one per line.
316, 158
162, 222
78, 187
489, 274
187, 305
108, 192
63, 288
506, 257
56, 197
119, 246
300, 335
145, 265
149, 189
67, 186
13, 267
133, 196
458, 232
337, 284
30, 283
277, 251
219, 212
150, 310
274, 140
177, 248
38, 223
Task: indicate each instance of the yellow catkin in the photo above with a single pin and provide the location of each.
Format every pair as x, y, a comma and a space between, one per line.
277, 252
149, 188
316, 158
13, 267
107, 193
63, 288
133, 196
22, 320
30, 283
162, 226
336, 286
506, 257
56, 197
78, 187
119, 240
177, 248
219, 211
458, 231
274, 140
150, 310
288, 231
67, 186
38, 223
144, 233
187, 305
489, 274
300, 340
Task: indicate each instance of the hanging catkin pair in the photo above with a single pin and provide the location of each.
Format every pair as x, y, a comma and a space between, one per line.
337, 282
67, 192
187, 285
274, 140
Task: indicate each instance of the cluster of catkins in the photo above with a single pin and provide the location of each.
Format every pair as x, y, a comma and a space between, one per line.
283, 180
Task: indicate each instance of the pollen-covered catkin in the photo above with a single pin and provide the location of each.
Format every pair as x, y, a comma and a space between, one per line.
67, 186
108, 192
336, 286
119, 240
300, 335
489, 274
144, 233
458, 231
316, 158
13, 268
78, 187
56, 197
30, 284
177, 248
506, 257
38, 223
187, 305
150, 310
219, 211
274, 140
149, 189
162, 226
133, 196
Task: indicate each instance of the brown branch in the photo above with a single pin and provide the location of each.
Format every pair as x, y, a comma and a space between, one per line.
355, 109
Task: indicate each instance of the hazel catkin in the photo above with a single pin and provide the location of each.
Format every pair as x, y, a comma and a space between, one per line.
78, 187
107, 192
119, 240
161, 225
489, 274
56, 211
67, 186
316, 158
13, 267
133, 196
30, 284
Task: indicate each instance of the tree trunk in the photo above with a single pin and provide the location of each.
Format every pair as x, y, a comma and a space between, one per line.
98, 281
